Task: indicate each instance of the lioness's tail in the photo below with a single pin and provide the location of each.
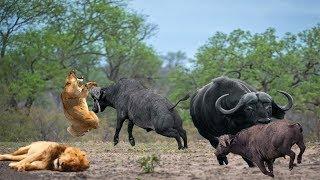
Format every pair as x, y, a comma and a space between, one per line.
182, 99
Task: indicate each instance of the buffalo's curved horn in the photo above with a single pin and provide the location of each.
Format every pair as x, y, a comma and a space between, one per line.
95, 94
290, 101
246, 88
224, 111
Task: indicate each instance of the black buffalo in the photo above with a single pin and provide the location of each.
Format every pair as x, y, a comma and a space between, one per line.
226, 106
142, 108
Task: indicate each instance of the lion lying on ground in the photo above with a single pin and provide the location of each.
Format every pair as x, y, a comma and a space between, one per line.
75, 105
47, 155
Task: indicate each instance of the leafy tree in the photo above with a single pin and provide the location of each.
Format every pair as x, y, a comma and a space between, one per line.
90, 36
174, 59
16, 16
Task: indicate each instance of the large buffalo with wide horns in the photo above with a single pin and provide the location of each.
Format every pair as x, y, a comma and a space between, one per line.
226, 106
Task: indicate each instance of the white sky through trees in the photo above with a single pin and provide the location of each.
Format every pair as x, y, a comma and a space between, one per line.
187, 24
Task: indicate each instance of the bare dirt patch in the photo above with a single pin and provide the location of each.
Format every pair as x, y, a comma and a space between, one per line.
197, 162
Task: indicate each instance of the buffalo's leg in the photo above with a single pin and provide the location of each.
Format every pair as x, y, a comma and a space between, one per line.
302, 148
130, 127
183, 135
250, 163
214, 142
270, 165
292, 156
170, 133
221, 159
262, 167
286, 150
118, 128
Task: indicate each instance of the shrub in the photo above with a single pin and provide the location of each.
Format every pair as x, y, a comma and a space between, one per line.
148, 163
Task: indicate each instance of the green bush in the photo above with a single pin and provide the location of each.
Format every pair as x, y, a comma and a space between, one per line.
148, 163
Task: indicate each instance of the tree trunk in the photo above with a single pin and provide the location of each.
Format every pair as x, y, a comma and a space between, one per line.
13, 104
28, 105
318, 130
265, 86
57, 99
4, 38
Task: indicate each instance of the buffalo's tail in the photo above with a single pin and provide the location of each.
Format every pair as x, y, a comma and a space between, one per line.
182, 99
297, 125
300, 127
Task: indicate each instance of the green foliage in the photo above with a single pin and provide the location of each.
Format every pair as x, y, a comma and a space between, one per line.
40, 41
148, 163
101, 39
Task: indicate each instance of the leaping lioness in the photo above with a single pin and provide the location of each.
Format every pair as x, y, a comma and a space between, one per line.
75, 105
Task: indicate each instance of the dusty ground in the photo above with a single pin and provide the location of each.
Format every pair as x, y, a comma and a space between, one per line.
198, 162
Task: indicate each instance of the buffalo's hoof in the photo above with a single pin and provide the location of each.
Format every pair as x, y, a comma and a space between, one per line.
115, 142
132, 141
291, 166
250, 164
222, 160
271, 174
185, 147
299, 159
180, 147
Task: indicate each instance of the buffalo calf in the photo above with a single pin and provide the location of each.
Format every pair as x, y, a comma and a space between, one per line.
264, 143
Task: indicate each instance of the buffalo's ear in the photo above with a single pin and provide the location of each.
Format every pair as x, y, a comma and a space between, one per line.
277, 112
227, 142
232, 137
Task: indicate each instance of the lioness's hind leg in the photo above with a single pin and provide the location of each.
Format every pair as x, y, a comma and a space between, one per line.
94, 116
10, 157
95, 120
32, 157
22, 150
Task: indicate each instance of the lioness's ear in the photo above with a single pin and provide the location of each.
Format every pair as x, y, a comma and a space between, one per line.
72, 71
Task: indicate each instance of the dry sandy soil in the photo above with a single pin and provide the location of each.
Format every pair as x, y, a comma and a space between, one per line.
197, 162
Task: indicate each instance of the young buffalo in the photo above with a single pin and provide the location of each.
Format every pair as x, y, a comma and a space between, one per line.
264, 143
142, 107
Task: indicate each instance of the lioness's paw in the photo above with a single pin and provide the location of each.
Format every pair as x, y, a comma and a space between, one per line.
13, 164
17, 166
91, 84
20, 167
